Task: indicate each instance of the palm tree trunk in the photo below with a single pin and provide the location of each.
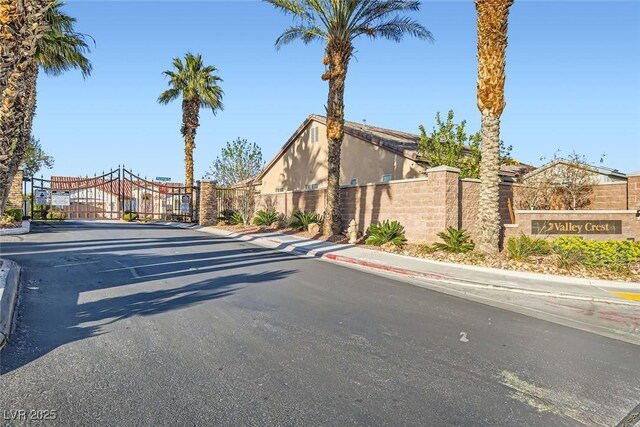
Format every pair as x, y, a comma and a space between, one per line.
338, 56
24, 140
21, 24
488, 230
492, 45
190, 111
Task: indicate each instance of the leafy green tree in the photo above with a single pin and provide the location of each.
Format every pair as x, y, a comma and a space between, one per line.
449, 145
35, 158
240, 160
337, 23
198, 85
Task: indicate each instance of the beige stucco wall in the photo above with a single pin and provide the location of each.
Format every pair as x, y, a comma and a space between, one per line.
305, 163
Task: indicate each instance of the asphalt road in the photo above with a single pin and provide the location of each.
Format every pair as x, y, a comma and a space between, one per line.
125, 324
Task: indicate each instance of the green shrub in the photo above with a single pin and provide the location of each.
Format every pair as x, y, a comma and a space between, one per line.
56, 215
455, 241
236, 219
7, 222
226, 215
300, 220
523, 247
425, 249
385, 232
283, 221
130, 216
596, 253
14, 214
40, 214
567, 258
266, 218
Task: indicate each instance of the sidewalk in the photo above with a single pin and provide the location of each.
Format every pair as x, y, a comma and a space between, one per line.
625, 293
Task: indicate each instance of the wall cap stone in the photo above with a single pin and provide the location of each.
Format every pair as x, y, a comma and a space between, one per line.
443, 169
370, 184
580, 212
470, 180
207, 180
510, 225
611, 183
636, 173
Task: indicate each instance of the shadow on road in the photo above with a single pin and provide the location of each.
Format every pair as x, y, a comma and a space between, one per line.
58, 271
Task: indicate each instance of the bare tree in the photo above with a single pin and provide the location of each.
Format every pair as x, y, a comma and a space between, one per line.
565, 184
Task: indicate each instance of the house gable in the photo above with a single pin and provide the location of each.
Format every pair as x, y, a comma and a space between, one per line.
366, 157
601, 175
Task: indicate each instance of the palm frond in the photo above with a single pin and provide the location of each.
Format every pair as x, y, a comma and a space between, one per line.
306, 34
62, 48
194, 81
345, 20
169, 95
396, 28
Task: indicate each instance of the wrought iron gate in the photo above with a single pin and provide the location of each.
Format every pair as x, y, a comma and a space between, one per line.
112, 195
157, 201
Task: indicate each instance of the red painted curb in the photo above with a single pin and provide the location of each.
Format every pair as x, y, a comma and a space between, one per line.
411, 273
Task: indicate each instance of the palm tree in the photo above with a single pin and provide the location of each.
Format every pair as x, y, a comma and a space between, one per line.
198, 85
22, 24
492, 46
59, 49
337, 23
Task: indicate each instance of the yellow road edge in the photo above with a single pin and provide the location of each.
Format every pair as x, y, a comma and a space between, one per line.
629, 296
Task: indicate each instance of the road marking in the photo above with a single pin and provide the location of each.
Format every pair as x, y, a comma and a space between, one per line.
628, 295
75, 263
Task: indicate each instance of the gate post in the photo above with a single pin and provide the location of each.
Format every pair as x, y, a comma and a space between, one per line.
208, 214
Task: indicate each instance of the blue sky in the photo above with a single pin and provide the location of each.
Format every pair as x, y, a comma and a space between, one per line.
572, 82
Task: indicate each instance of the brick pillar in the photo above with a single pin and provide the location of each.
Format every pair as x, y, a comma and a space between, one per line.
444, 182
208, 214
16, 198
633, 191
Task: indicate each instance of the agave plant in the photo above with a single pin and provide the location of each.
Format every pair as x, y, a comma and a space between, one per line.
385, 232
236, 219
300, 220
457, 241
266, 218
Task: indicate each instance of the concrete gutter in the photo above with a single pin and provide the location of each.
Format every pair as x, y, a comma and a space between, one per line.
611, 292
24, 229
9, 283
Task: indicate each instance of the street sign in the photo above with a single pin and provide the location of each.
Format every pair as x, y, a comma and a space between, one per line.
42, 197
186, 200
163, 178
163, 189
60, 198
184, 207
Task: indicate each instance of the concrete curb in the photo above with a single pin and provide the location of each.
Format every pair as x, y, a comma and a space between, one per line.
9, 285
24, 229
327, 252
528, 275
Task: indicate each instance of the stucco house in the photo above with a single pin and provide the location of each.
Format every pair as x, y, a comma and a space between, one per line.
556, 168
369, 154
605, 188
